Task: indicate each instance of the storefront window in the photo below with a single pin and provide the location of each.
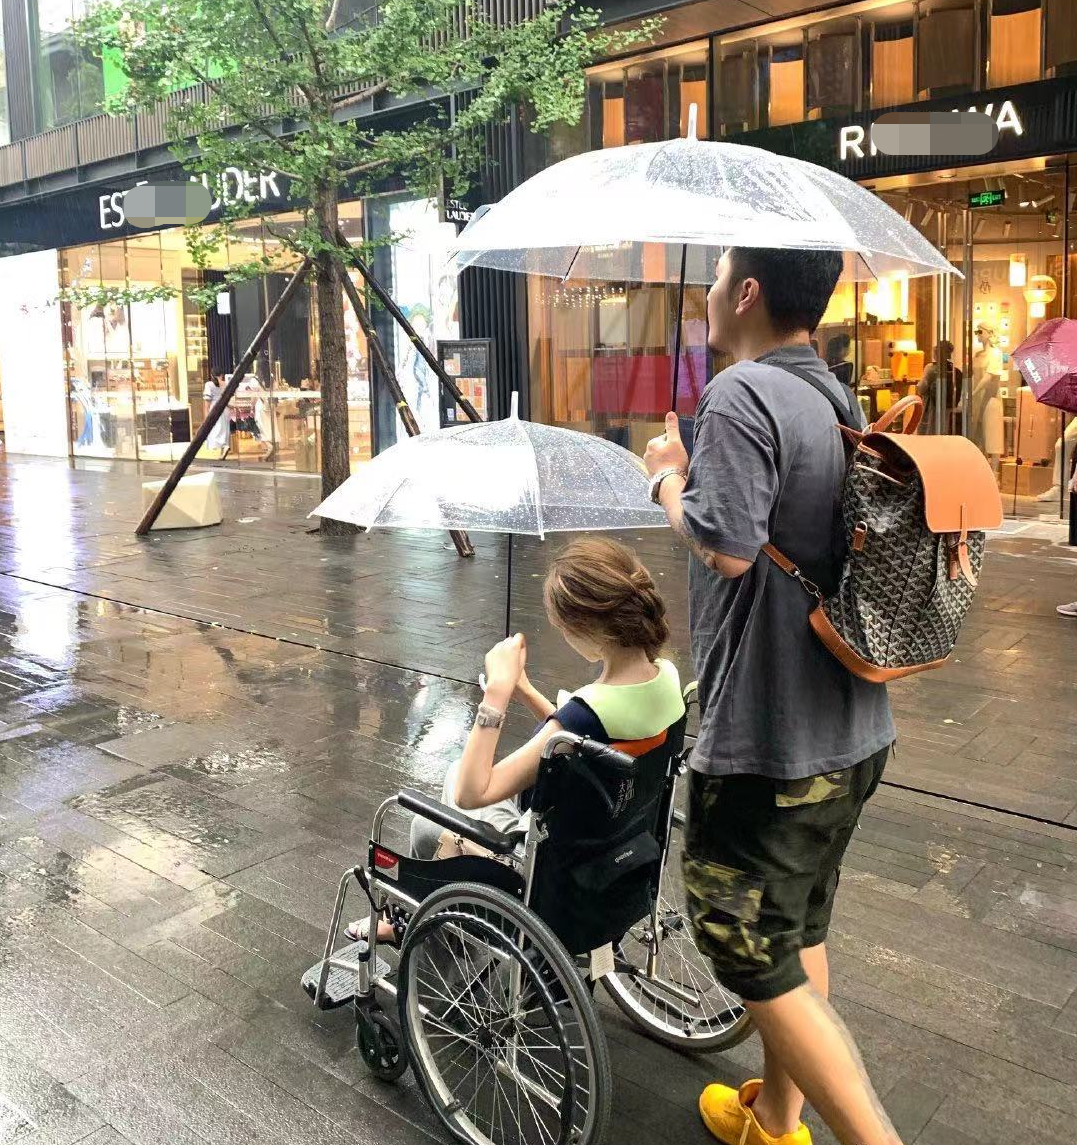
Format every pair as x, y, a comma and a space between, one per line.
69, 83
163, 418
952, 342
601, 356
644, 103
141, 376
782, 67
648, 100
1060, 37
946, 48
5, 121
891, 67
833, 69
1014, 42
737, 97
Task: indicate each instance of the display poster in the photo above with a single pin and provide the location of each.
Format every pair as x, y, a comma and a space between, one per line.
32, 363
469, 362
425, 288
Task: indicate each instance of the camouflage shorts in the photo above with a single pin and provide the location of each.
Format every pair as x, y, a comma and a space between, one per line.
761, 863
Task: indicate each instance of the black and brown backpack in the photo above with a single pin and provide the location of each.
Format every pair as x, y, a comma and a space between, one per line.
915, 511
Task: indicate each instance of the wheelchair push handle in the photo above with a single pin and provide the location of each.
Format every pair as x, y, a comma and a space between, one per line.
609, 758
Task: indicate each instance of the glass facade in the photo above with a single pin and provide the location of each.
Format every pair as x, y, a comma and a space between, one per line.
952, 341
880, 56
141, 376
5, 119
601, 353
69, 83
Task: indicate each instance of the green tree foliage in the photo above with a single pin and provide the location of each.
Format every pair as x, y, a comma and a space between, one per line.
284, 82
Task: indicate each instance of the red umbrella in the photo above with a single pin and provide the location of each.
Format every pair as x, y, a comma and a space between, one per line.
1047, 359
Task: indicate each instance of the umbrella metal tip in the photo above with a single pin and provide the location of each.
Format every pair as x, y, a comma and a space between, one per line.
693, 121
514, 406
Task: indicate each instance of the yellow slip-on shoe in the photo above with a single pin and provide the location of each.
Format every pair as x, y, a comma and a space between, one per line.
727, 1113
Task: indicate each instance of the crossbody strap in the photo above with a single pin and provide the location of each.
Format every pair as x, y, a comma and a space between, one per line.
847, 412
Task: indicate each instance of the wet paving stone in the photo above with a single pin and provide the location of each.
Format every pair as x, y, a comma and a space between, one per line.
195, 731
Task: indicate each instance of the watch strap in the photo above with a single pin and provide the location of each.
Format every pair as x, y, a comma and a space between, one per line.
489, 717
660, 476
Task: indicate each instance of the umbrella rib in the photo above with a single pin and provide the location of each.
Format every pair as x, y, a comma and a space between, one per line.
538, 480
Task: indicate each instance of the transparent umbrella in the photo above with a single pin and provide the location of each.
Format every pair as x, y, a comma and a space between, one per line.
664, 212
607, 214
507, 476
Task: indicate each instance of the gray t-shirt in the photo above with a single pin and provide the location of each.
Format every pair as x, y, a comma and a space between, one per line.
768, 465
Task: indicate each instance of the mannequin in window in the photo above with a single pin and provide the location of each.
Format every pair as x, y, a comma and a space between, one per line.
985, 407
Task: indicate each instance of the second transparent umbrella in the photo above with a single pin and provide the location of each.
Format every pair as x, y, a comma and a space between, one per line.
507, 476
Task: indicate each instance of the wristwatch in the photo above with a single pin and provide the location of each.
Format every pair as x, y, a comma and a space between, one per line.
488, 717
660, 476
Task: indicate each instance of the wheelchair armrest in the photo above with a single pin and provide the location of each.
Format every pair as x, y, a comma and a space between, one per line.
457, 822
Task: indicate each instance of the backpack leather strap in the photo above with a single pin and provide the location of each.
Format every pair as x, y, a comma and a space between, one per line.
790, 569
849, 419
913, 406
848, 416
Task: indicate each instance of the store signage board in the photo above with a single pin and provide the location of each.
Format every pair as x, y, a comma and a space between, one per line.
232, 187
851, 137
987, 199
1033, 120
469, 362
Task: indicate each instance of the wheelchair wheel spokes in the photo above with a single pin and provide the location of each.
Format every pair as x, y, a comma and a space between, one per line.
489, 1010
681, 1002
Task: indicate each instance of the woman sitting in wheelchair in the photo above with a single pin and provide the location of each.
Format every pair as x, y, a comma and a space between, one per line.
605, 604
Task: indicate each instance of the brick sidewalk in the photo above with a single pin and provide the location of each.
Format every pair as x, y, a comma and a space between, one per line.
194, 732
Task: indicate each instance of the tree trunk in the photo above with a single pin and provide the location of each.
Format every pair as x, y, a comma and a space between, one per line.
333, 366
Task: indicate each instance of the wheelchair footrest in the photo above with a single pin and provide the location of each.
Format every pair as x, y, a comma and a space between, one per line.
341, 984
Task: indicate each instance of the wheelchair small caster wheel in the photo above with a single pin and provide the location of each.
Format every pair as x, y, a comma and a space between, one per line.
379, 1045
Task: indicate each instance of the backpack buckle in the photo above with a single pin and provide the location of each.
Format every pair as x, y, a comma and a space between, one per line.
809, 585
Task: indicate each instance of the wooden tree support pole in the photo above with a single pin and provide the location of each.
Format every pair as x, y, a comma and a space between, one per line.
421, 347
377, 353
221, 404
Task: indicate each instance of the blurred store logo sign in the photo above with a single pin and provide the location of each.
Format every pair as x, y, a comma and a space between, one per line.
231, 187
167, 204
927, 136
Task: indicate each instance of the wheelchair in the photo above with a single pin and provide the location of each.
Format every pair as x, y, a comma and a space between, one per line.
498, 953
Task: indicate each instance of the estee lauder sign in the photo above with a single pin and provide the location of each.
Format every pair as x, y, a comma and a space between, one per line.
234, 185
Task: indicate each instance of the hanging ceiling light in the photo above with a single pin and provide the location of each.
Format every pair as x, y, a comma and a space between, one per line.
929, 214
1018, 268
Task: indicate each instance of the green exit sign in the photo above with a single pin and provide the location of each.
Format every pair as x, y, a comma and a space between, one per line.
987, 199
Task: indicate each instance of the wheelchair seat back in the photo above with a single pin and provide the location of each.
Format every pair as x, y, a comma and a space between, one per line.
598, 869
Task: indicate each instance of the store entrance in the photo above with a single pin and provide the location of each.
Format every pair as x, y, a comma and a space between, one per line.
951, 341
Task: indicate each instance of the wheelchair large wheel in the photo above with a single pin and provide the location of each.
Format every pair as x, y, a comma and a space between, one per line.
677, 1001
499, 1027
